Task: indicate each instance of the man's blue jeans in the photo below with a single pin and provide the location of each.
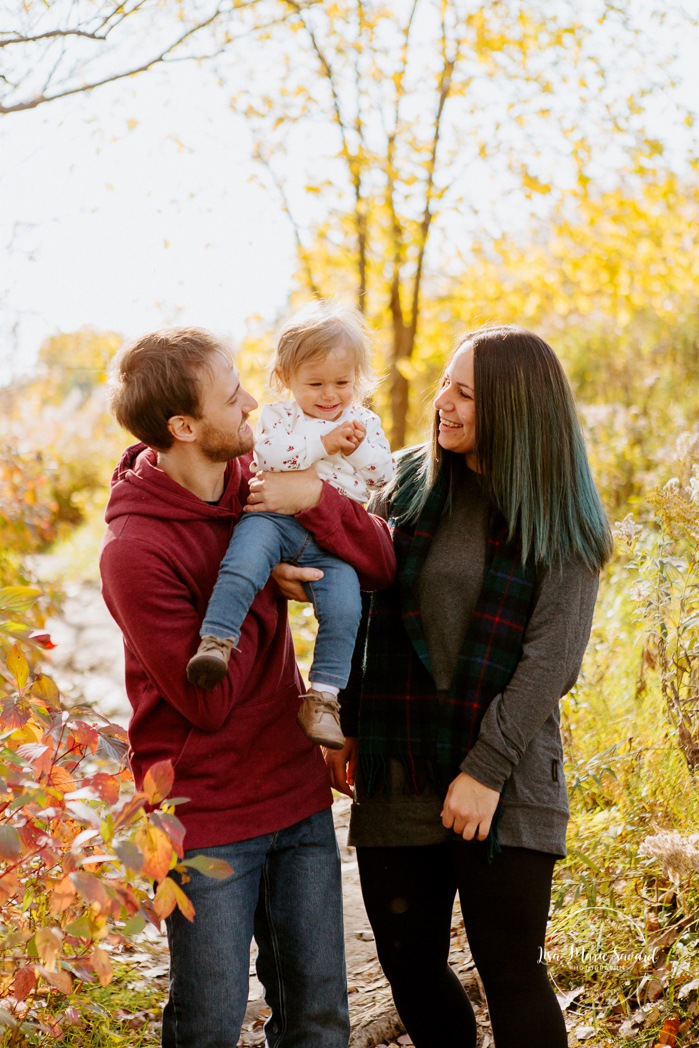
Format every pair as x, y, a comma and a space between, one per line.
260, 541
286, 889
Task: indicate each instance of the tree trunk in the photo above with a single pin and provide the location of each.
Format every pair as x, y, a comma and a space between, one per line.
400, 398
402, 351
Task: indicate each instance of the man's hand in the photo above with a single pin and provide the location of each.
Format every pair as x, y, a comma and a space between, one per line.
289, 577
345, 438
341, 765
287, 493
469, 807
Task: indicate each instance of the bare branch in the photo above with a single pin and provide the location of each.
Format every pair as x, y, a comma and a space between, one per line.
114, 18
444, 88
50, 34
359, 203
303, 254
353, 161
121, 11
329, 76
162, 56
396, 229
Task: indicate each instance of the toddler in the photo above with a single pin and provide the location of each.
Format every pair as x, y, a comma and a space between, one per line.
322, 359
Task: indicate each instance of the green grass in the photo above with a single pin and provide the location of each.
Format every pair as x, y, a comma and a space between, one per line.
124, 1014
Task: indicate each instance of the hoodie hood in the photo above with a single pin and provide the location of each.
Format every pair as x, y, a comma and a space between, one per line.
139, 488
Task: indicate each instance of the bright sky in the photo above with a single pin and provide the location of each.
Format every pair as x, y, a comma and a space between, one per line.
133, 208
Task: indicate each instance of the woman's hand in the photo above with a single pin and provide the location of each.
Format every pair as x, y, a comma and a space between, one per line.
469, 807
289, 577
341, 765
287, 493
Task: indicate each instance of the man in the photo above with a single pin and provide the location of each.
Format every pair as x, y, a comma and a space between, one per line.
257, 789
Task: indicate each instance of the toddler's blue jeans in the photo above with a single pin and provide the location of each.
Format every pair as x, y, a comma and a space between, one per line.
259, 542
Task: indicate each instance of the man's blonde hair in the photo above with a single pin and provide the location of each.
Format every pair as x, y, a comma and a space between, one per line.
318, 330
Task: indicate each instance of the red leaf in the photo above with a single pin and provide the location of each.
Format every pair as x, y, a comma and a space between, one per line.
13, 714
105, 786
172, 826
61, 780
158, 781
43, 640
24, 982
101, 965
91, 888
129, 809
62, 896
115, 731
125, 896
85, 734
9, 886
60, 980
170, 895
33, 837
157, 851
669, 1031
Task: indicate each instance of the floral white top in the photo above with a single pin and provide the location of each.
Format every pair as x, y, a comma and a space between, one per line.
287, 439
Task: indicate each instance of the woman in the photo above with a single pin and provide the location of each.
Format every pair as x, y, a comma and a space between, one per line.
452, 718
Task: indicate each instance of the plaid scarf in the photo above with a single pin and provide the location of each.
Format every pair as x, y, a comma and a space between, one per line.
402, 715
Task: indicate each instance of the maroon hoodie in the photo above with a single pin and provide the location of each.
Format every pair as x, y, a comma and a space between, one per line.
239, 756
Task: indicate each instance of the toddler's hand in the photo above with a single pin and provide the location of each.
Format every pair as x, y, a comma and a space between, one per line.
359, 432
343, 439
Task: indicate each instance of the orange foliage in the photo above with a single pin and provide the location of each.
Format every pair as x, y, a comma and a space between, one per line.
74, 839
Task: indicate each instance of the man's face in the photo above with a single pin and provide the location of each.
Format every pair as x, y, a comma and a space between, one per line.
223, 432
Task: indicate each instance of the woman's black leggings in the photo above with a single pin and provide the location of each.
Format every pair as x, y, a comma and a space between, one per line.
409, 895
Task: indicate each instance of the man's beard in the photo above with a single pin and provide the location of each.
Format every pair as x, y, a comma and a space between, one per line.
218, 445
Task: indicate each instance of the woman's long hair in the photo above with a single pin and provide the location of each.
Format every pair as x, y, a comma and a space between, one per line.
529, 448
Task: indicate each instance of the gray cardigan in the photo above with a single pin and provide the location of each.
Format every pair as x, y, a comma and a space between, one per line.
519, 750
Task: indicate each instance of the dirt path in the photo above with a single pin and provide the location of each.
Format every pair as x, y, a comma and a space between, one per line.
88, 664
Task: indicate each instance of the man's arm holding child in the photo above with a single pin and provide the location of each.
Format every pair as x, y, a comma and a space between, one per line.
337, 523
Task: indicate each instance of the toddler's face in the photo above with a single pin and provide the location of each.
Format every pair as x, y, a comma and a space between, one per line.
323, 388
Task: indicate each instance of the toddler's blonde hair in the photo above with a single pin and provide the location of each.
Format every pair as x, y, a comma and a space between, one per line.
316, 331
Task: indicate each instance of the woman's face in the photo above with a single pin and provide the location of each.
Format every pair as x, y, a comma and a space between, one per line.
456, 407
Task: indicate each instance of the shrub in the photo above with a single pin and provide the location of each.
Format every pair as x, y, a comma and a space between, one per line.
78, 848
665, 560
